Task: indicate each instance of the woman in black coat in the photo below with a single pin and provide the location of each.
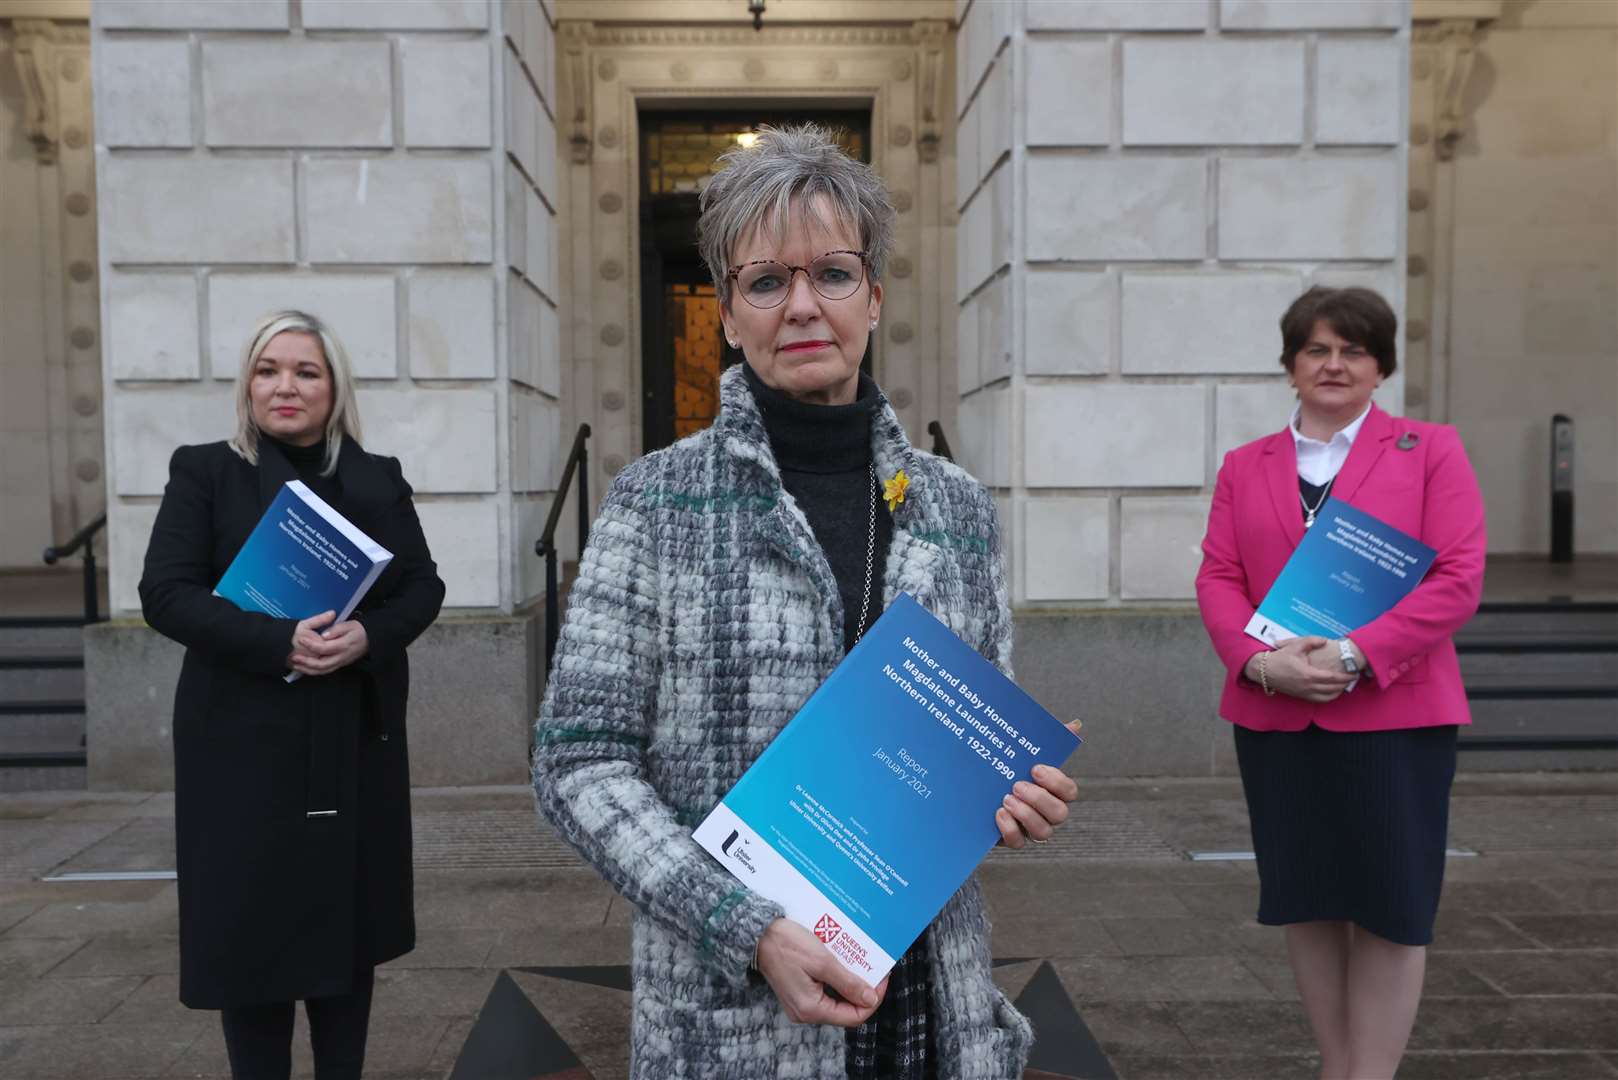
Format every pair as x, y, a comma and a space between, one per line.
292, 800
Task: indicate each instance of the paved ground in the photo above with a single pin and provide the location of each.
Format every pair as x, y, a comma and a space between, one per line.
1138, 961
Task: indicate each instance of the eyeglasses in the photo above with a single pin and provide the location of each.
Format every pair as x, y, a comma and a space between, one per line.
834, 275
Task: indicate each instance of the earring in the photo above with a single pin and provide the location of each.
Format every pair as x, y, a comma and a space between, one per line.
873, 324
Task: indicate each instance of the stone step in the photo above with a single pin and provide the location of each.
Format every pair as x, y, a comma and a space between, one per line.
18, 779
34, 636
1542, 717
1502, 669
46, 677
65, 727
1496, 624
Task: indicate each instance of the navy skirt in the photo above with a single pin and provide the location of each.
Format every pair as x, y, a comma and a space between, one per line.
1350, 825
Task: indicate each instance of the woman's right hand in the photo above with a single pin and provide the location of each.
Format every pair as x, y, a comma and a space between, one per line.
1288, 671
306, 639
801, 971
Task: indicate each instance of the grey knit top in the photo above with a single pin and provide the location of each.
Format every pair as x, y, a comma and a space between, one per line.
704, 615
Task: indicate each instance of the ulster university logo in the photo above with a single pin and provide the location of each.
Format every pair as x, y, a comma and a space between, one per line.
738, 851
827, 929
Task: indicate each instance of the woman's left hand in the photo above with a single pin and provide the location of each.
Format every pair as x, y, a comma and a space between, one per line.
1033, 810
339, 646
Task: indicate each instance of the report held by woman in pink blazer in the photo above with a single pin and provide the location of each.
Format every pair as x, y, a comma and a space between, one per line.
1412, 475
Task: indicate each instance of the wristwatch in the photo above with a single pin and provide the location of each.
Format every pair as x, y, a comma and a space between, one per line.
1346, 652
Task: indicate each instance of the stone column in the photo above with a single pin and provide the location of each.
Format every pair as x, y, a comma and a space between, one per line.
344, 157
1143, 188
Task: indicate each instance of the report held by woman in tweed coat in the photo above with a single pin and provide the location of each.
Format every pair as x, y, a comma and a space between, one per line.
704, 615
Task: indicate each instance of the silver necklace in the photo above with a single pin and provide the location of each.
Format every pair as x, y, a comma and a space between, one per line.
1309, 512
870, 558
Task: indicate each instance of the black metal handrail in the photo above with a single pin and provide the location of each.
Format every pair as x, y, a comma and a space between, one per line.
578, 461
940, 443
83, 539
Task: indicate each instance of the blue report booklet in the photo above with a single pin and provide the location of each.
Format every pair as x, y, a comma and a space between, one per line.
1350, 568
302, 558
877, 800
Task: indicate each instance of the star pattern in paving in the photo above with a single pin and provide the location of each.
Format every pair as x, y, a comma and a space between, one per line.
516, 1035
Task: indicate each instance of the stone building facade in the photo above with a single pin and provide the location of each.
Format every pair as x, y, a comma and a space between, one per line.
1105, 206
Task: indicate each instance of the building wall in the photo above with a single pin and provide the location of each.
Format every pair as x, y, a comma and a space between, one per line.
1143, 188
1533, 267
51, 476
348, 158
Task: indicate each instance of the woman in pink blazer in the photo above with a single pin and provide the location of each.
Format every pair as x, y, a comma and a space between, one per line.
1347, 789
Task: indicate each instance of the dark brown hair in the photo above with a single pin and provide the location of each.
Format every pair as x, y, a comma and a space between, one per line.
1355, 314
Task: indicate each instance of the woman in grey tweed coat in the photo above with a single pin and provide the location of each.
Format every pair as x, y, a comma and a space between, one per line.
724, 579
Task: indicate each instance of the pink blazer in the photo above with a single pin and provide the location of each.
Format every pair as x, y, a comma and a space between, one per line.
1428, 491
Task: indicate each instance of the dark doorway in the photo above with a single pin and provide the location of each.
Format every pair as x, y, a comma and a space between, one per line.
683, 345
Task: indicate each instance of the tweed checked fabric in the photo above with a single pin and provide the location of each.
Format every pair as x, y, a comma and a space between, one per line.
703, 616
896, 1042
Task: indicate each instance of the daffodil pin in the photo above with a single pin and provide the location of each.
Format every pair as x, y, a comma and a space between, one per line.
894, 490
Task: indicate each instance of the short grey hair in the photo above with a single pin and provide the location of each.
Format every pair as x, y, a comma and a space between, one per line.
345, 410
775, 180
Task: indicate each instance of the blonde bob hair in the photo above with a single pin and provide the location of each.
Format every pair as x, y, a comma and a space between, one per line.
345, 413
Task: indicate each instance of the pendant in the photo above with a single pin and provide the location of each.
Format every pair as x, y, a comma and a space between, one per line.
1309, 519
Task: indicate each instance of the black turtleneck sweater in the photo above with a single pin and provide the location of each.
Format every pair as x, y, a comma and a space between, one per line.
306, 462
824, 454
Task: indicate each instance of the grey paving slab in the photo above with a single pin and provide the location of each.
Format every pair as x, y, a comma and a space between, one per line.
124, 954
29, 848
1136, 1027
13, 912
1450, 975
1160, 978
449, 1047
1520, 974
1510, 823
61, 1001
557, 946
1563, 1023
157, 1001
1159, 936
1240, 1027
145, 843
1209, 1067
1212, 823
431, 992
89, 918
29, 958
438, 947
1499, 897
1570, 931
1453, 1024
1547, 868
620, 912
511, 899
1234, 900
1009, 897
1447, 976
1585, 894
1473, 1066
1043, 935
95, 1052
1469, 930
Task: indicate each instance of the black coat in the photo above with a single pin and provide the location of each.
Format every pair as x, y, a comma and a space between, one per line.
276, 905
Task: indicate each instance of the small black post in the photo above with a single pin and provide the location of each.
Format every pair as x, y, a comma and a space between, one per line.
584, 498
1561, 488
553, 609
92, 607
